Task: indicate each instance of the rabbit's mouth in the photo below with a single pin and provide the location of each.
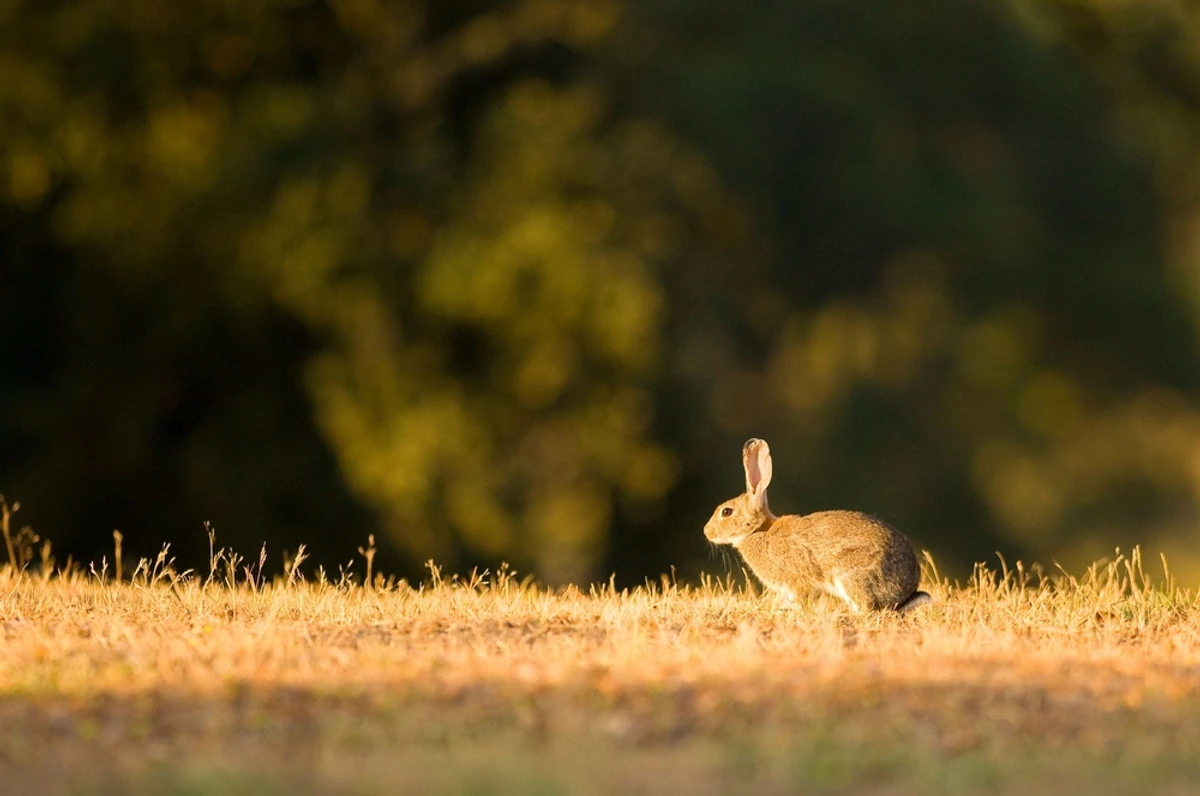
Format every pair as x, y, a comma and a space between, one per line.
717, 537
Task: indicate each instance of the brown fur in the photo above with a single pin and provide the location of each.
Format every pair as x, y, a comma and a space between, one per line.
853, 556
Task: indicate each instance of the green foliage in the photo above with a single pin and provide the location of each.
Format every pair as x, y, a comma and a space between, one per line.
513, 280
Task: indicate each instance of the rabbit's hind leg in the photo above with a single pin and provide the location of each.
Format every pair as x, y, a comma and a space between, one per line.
844, 589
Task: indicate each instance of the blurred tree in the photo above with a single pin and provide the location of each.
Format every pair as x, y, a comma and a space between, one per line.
462, 233
470, 272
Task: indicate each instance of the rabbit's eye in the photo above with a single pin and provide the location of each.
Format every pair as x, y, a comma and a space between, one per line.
725, 512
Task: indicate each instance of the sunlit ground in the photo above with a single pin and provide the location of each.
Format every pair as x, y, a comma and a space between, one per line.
1009, 683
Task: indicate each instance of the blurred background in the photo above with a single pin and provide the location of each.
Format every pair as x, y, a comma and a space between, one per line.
513, 281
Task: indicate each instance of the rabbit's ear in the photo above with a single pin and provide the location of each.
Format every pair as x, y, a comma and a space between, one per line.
756, 458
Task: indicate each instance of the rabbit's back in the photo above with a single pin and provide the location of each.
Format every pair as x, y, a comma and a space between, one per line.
855, 555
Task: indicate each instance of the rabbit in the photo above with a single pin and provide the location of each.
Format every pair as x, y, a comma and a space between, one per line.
853, 556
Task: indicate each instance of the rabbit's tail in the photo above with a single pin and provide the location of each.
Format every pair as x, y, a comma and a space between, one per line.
918, 599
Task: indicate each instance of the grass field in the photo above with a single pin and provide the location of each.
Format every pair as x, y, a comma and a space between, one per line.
1010, 683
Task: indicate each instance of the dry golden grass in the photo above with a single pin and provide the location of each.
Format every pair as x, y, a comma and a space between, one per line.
1011, 682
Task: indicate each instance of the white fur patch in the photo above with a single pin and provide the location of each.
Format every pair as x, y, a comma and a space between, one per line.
782, 589
839, 590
